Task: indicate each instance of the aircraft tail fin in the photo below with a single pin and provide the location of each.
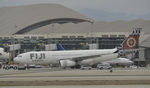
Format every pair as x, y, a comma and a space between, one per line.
59, 47
132, 41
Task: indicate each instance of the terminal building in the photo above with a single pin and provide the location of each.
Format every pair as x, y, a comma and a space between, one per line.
36, 27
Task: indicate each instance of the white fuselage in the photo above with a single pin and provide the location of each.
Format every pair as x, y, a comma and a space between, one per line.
52, 57
3, 55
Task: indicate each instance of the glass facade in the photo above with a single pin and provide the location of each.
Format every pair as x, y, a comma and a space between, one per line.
68, 43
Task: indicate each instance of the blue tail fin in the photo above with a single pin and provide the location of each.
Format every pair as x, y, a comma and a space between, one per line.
59, 47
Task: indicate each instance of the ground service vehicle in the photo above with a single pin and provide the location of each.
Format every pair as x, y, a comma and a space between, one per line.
103, 66
86, 68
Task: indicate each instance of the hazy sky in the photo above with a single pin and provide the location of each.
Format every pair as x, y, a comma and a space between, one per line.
103, 10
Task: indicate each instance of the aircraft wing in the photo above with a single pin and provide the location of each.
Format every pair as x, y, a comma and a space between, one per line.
95, 58
77, 59
85, 57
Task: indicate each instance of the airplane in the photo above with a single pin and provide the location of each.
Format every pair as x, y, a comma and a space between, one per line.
70, 58
4, 56
119, 62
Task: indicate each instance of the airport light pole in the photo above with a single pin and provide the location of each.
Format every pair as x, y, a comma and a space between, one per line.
91, 35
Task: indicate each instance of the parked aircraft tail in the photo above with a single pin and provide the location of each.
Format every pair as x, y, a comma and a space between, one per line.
132, 41
59, 47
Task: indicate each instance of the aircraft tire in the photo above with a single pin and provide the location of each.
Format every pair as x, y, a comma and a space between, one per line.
6, 68
15, 67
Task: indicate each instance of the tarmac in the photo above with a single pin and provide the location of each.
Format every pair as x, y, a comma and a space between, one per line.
57, 76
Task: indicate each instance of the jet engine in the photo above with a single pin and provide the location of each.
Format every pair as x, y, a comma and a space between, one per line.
67, 63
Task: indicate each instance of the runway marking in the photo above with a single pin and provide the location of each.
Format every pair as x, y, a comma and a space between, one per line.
9, 73
75, 76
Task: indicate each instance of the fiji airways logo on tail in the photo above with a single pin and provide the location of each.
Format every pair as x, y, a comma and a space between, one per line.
132, 40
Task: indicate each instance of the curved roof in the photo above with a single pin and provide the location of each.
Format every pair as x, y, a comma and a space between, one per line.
18, 19
51, 21
50, 18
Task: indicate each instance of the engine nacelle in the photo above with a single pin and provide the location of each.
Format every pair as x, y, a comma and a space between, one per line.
87, 62
67, 63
